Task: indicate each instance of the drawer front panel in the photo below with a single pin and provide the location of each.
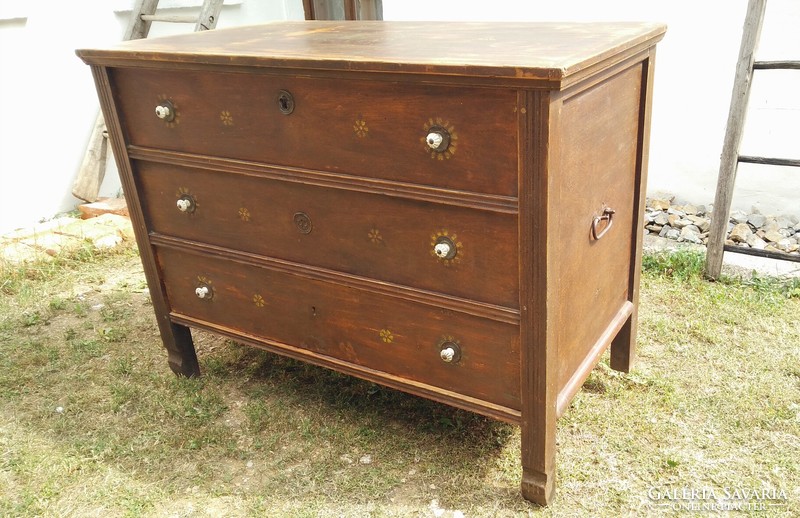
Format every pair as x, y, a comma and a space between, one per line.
362, 128
365, 234
390, 335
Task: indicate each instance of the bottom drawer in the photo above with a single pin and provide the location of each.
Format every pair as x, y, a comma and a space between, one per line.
371, 330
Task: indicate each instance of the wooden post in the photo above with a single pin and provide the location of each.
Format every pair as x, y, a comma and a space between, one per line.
733, 138
93, 167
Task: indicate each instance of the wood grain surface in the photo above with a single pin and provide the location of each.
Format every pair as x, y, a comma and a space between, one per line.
544, 51
386, 334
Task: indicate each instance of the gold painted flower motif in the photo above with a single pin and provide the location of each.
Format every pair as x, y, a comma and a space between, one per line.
386, 336
203, 279
226, 118
375, 236
360, 127
244, 214
258, 300
181, 191
451, 148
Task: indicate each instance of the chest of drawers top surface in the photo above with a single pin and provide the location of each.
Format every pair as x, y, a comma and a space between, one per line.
551, 52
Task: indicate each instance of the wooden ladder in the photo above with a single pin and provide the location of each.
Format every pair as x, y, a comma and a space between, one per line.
730, 159
93, 167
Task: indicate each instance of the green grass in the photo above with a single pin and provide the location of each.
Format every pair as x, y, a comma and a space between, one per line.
92, 421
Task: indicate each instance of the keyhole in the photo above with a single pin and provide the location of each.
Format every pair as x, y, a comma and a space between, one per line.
313, 311
285, 102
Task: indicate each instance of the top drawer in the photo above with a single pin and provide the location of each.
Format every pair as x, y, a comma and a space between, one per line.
363, 128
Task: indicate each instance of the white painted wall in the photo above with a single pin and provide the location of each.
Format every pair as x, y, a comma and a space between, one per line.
47, 98
48, 102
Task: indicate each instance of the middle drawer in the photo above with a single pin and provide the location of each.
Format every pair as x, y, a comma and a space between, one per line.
468, 253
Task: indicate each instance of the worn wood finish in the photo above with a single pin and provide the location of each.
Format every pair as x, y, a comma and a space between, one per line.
728, 162
93, 167
597, 139
336, 125
551, 123
355, 325
552, 53
358, 233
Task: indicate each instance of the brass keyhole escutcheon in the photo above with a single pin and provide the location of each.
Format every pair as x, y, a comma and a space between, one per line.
303, 222
285, 102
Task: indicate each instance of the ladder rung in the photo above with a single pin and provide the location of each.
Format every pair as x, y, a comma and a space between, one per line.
783, 256
171, 18
792, 162
776, 65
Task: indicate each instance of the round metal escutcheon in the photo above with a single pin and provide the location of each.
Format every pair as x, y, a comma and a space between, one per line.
285, 102
303, 222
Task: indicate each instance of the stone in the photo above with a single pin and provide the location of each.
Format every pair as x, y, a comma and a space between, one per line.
756, 242
672, 219
757, 220
681, 222
690, 209
796, 227
794, 219
740, 233
659, 204
654, 228
701, 210
661, 219
774, 236
784, 222
675, 211
690, 234
784, 245
739, 216
692, 228
785, 232
770, 225
672, 233
702, 223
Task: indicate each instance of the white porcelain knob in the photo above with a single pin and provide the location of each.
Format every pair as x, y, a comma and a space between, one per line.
434, 140
184, 204
442, 249
202, 292
163, 112
447, 354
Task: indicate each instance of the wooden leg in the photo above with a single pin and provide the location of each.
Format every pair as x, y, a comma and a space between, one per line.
623, 347
539, 455
181, 355
538, 487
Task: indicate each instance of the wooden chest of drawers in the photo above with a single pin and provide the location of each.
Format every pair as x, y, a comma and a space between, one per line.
453, 210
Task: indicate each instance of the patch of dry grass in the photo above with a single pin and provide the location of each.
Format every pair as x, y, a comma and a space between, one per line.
93, 423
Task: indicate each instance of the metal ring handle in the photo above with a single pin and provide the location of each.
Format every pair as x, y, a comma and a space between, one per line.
608, 214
